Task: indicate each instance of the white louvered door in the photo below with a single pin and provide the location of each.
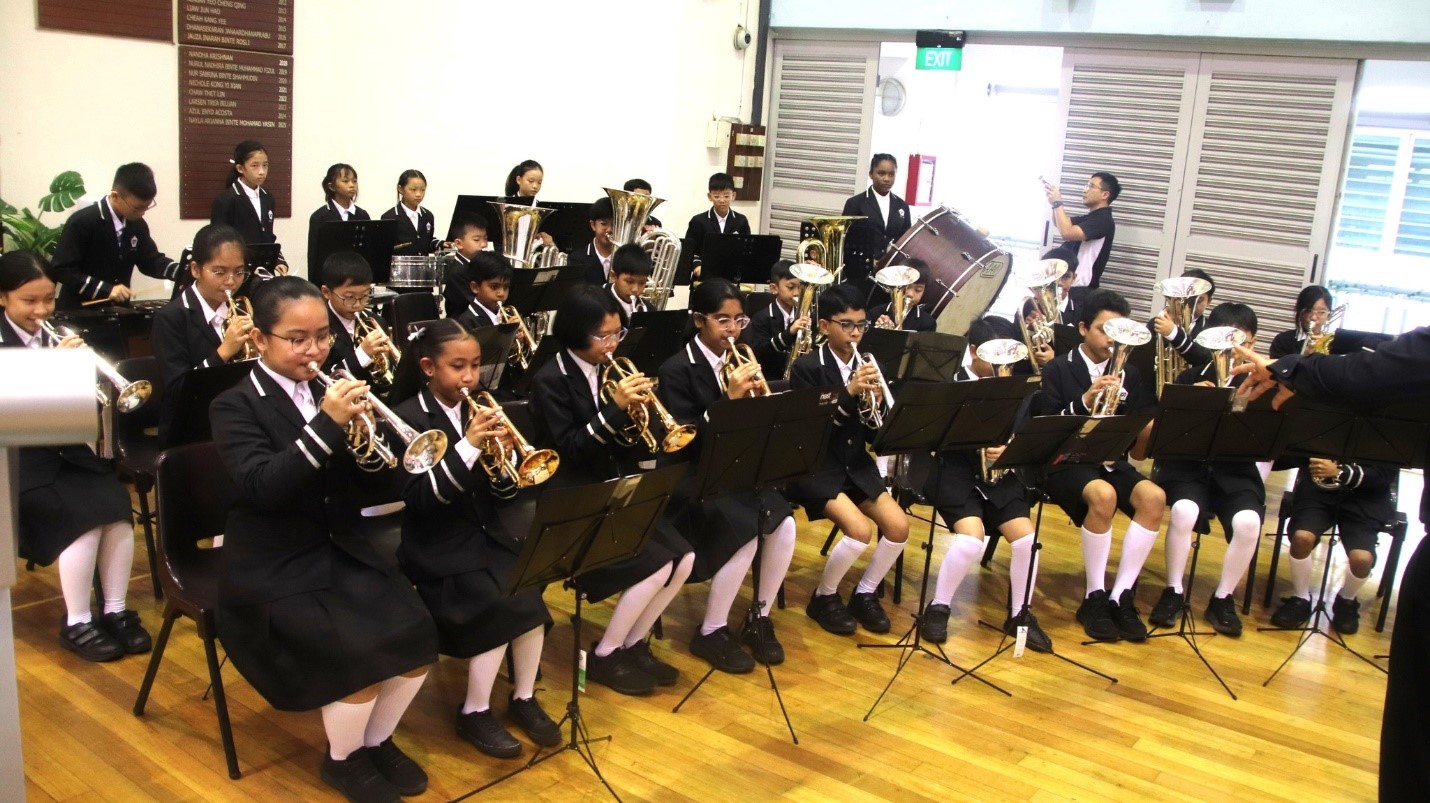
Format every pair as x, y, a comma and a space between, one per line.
820, 126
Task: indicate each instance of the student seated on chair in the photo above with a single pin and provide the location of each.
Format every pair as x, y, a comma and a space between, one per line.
630, 273
917, 317
1233, 490
1092, 494
969, 504
469, 236
772, 330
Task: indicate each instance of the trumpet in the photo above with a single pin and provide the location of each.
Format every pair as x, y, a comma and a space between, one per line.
523, 348
1126, 334
1181, 294
741, 354
384, 365
129, 396
369, 447
240, 306
1320, 335
677, 435
521, 464
873, 404
1042, 280
815, 279
895, 281
1001, 354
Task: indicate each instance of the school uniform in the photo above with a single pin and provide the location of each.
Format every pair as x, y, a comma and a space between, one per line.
1292, 341
456, 284
235, 207
717, 527
345, 352
847, 468
453, 547
415, 235
1184, 342
956, 488
476, 316
1359, 510
98, 249
708, 223
594, 440
916, 319
186, 336
64, 491
868, 239
307, 610
329, 212
596, 268
769, 337
630, 305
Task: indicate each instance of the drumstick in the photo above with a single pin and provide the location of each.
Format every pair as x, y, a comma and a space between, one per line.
96, 302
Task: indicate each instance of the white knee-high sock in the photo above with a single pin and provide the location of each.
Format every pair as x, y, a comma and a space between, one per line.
76, 568
344, 724
841, 557
724, 587
393, 698
115, 560
1024, 563
1179, 540
1245, 530
481, 676
775, 556
632, 604
661, 600
1351, 585
964, 550
1301, 575
1136, 546
526, 661
1095, 549
885, 553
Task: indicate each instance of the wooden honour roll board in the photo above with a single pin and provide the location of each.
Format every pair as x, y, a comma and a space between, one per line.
140, 19
261, 25
226, 97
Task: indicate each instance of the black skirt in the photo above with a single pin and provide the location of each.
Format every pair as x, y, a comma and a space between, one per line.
665, 546
473, 612
717, 528
53, 516
310, 649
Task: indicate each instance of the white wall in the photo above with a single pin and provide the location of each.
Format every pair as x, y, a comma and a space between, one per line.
597, 92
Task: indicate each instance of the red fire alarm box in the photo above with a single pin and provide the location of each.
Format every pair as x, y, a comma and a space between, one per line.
919, 190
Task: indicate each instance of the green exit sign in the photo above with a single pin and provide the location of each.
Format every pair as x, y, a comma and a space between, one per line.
939, 58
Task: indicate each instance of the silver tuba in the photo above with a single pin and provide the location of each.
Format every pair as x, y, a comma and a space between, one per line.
1222, 341
1181, 294
630, 212
1001, 354
520, 231
1320, 335
1042, 281
1126, 334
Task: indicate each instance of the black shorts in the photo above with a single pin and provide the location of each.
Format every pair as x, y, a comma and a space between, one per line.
1225, 506
992, 514
1065, 485
1357, 529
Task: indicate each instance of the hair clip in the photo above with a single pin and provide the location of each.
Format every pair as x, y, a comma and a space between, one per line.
232, 162
416, 334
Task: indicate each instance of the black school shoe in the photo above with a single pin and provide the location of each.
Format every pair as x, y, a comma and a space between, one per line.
487, 735
1221, 612
618, 672
1168, 608
1295, 611
641, 656
532, 719
399, 770
1129, 622
722, 650
933, 625
358, 778
865, 608
1038, 641
125, 628
90, 642
1095, 616
1345, 615
829, 611
760, 638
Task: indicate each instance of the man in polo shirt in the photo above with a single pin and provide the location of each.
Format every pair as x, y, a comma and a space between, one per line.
1092, 231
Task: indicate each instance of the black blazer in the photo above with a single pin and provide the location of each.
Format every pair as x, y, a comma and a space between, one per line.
1065, 379
868, 239
916, 319
327, 213
1184, 342
418, 241
706, 223
344, 350
89, 259
849, 435
588, 260
451, 525
233, 208
183, 341
639, 305
591, 440
299, 493
456, 285
476, 316
770, 339
687, 388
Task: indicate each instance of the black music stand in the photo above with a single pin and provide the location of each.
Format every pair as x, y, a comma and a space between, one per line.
543, 289
197, 390
372, 239
577, 529
741, 258
749, 445
263, 256
653, 338
495, 343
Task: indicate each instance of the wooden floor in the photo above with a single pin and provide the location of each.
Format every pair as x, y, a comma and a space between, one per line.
1166, 730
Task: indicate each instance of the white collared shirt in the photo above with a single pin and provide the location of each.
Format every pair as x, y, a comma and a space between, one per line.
414, 215
28, 340
480, 309
116, 220
347, 212
785, 314
630, 308
215, 317
351, 326
1094, 369
289, 386
883, 202
721, 221
845, 369
591, 372
715, 360
253, 198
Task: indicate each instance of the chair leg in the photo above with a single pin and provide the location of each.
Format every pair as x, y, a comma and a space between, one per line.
147, 519
829, 542
991, 548
658, 629
98, 590
154, 658
780, 597
1275, 561
225, 731
898, 595
1386, 589
1251, 580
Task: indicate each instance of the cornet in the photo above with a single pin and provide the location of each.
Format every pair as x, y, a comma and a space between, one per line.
523, 348
521, 464
129, 396
741, 354
240, 306
873, 404
1320, 335
1126, 334
1001, 354
366, 442
677, 435
384, 365
815, 279
895, 281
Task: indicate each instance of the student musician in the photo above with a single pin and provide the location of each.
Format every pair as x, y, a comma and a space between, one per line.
595, 258
522, 184
886, 218
453, 548
416, 225
631, 269
640, 186
71, 508
1233, 490
1185, 341
722, 529
847, 487
490, 275
970, 500
307, 610
347, 287
1092, 494
102, 244
593, 435
199, 329
1313, 311
468, 236
719, 218
774, 329
245, 204
917, 318
340, 188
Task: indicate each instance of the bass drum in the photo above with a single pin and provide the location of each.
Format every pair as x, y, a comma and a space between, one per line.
967, 270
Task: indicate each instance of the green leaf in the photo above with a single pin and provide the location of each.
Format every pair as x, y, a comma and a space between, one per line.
66, 188
7, 209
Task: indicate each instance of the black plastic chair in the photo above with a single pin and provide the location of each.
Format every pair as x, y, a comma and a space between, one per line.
136, 450
194, 495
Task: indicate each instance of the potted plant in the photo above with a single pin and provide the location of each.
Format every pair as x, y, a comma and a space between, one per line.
23, 228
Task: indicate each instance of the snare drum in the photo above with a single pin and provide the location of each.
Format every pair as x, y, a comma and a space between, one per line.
967, 270
416, 271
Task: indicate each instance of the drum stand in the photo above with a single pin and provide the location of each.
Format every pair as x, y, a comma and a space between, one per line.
1187, 628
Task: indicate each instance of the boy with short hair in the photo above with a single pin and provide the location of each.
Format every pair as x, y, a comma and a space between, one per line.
640, 186
630, 272
772, 330
916, 317
490, 275
596, 257
347, 286
719, 218
469, 236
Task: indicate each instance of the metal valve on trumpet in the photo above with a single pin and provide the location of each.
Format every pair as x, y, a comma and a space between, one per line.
384, 364
240, 306
677, 436
521, 464
873, 405
129, 396
369, 446
740, 354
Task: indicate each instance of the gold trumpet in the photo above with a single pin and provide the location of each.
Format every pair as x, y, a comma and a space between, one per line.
523, 348
369, 447
384, 364
741, 354
1126, 334
1001, 354
240, 306
815, 279
521, 464
677, 435
129, 396
873, 405
1319, 336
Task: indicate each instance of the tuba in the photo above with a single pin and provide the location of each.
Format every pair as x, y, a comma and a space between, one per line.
522, 464
873, 406
1042, 281
828, 242
737, 355
895, 281
1126, 334
677, 435
523, 348
815, 279
1001, 354
384, 365
627, 226
129, 396
1181, 294
368, 445
240, 306
1320, 335
520, 231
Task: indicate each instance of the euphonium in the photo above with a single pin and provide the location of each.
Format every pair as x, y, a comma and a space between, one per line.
895, 281
522, 464
1221, 341
367, 443
520, 229
741, 354
523, 348
1001, 354
384, 365
240, 306
873, 405
829, 241
129, 396
1126, 334
677, 435
630, 211
815, 279
1042, 281
1181, 294
1320, 335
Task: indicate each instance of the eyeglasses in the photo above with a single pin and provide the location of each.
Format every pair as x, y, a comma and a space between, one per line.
223, 275
740, 321
606, 340
135, 204
850, 327
354, 298
305, 343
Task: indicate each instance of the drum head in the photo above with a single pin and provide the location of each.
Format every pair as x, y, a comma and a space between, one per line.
967, 270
